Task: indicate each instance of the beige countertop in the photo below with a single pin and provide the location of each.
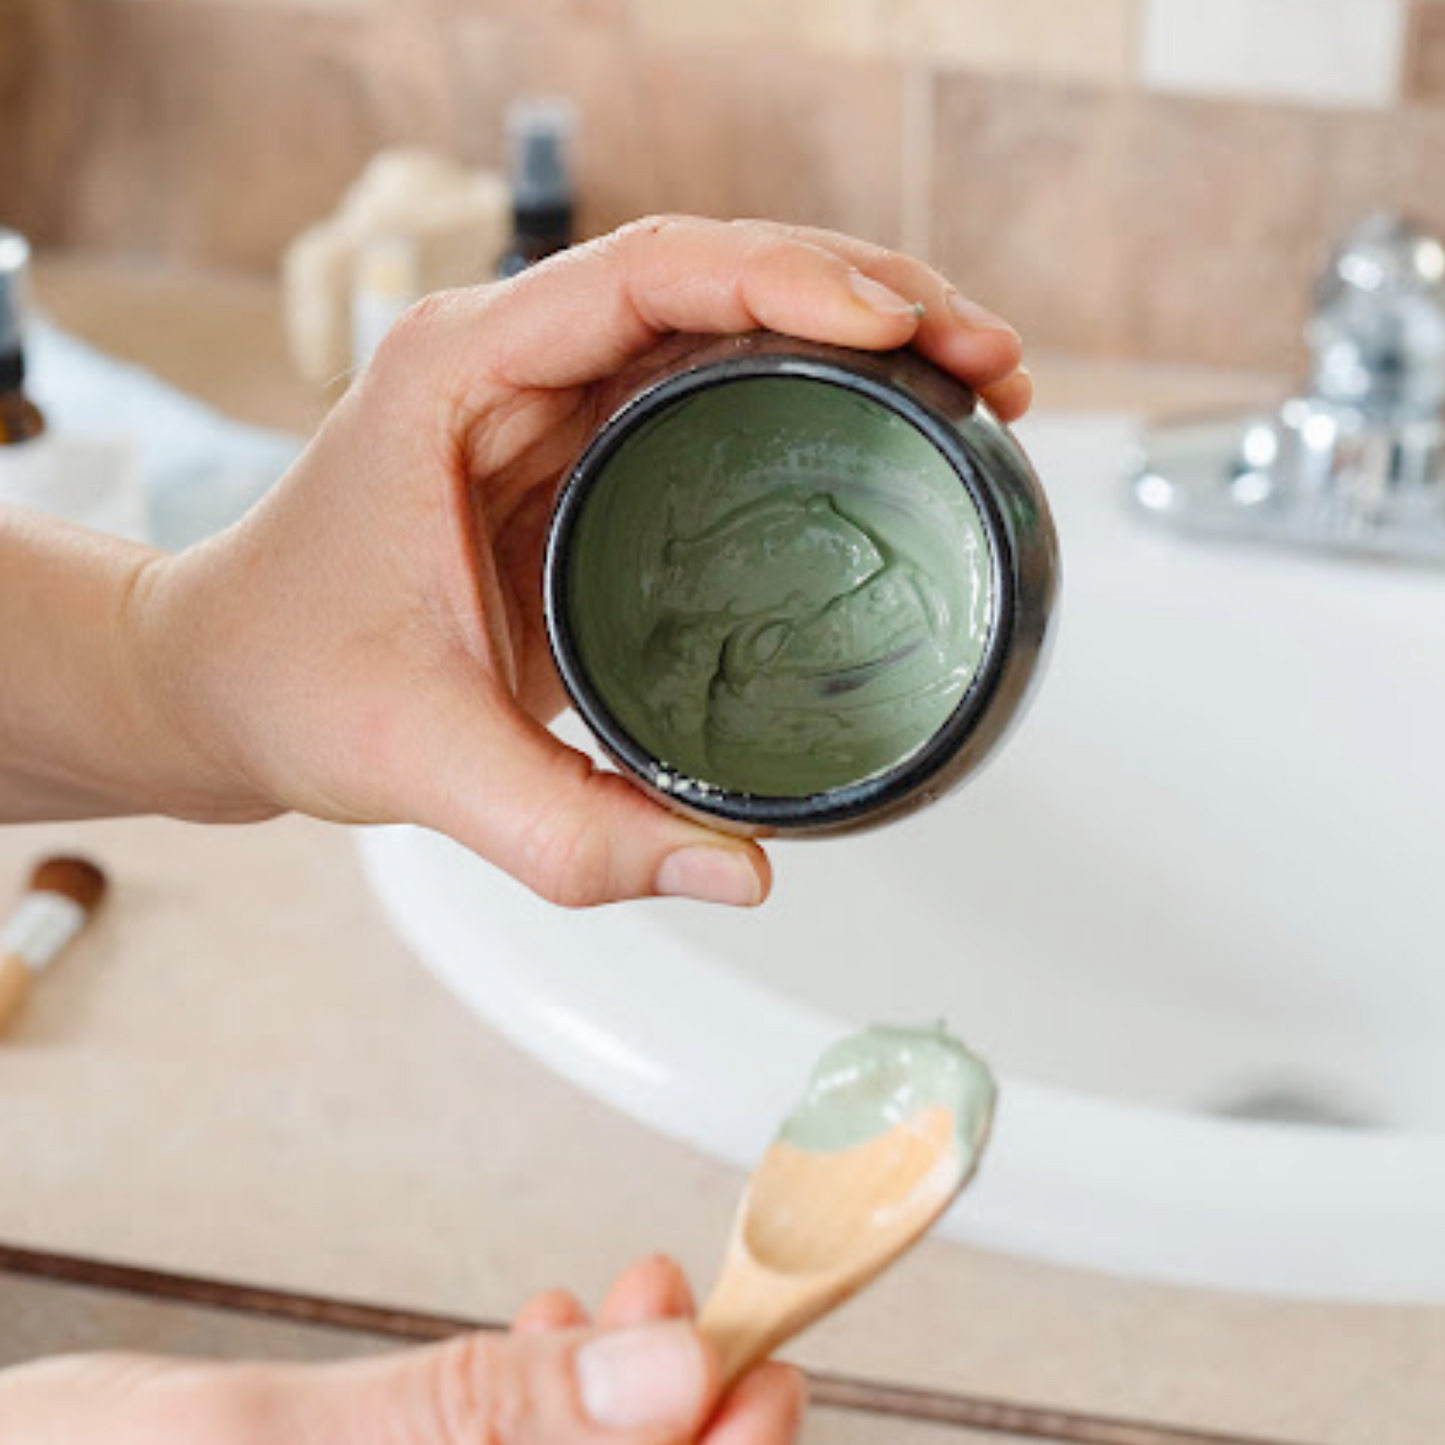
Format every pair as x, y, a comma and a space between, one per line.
241, 1072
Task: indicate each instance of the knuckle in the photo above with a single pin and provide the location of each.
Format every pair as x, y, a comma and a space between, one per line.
567, 857
775, 247
551, 1304
759, 231
571, 868
646, 227
760, 228
420, 349
418, 331
422, 322
476, 1398
643, 232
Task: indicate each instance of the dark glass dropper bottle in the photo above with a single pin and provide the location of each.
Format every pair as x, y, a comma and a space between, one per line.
20, 419
539, 134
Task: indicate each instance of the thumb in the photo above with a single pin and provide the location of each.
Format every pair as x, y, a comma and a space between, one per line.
500, 784
652, 1385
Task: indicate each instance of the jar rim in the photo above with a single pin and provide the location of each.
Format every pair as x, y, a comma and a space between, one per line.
898, 381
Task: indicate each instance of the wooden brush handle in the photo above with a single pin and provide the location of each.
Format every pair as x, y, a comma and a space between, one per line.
15, 980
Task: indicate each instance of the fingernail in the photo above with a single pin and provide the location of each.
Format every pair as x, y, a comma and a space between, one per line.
655, 1375
976, 317
714, 875
878, 297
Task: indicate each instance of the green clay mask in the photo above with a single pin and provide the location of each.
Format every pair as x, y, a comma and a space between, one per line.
780, 587
877, 1079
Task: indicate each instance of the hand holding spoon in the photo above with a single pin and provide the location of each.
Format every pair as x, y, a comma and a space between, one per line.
890, 1130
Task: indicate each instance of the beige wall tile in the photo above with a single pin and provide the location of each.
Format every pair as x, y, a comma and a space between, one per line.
108, 112
1424, 80
198, 119
21, 58
847, 27
538, 13
333, 7
1084, 39
1166, 228
807, 138
810, 139
1320, 52
1028, 183
1087, 38
1097, 217
1233, 210
493, 63
20, 23
38, 65
1222, 225
181, 123
216, 131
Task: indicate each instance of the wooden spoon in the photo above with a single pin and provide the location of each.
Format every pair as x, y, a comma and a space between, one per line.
816, 1223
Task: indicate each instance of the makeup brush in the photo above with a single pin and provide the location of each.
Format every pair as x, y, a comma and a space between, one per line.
61, 899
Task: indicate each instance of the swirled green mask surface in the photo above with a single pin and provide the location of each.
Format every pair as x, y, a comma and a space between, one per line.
780, 587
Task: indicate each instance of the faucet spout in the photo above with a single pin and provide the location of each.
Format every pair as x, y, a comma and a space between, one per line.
1356, 462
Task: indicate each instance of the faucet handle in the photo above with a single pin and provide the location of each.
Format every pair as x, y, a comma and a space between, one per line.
1378, 330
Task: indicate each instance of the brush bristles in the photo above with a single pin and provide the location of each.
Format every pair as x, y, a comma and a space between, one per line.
74, 878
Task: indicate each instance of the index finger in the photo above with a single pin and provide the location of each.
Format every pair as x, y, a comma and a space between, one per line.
955, 332
585, 314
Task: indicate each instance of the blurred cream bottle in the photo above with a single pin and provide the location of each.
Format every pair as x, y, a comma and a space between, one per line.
413, 223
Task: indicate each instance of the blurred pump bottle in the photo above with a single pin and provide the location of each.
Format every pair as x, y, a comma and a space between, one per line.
539, 134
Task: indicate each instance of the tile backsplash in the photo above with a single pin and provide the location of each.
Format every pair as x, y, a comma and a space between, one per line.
1132, 178
1320, 52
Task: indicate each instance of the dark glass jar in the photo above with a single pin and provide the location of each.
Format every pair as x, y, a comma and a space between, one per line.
798, 589
20, 419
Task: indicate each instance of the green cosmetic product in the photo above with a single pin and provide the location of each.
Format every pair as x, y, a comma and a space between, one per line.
795, 588
880, 1078
889, 1130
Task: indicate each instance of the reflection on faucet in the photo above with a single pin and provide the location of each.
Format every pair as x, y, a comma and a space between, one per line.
1358, 462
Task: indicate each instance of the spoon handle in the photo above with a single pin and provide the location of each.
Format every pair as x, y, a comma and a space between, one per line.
739, 1321
751, 1310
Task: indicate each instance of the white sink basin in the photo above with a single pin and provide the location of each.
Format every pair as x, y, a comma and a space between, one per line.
1206, 879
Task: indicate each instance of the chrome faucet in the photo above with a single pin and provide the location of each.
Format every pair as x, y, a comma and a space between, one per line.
1356, 462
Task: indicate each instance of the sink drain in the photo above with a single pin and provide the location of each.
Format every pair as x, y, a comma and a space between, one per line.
1293, 1104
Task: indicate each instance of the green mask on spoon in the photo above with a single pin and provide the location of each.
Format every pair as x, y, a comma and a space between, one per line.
889, 1130
880, 1078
